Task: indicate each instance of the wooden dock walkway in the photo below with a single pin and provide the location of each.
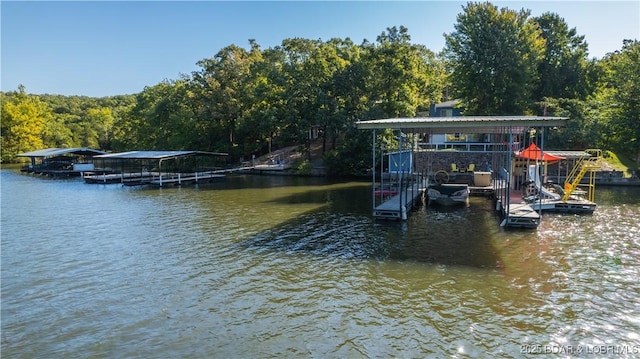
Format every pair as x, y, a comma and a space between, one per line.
516, 212
397, 207
161, 179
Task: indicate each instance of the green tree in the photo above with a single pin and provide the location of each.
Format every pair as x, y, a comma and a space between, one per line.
224, 81
403, 78
103, 121
23, 123
564, 70
300, 89
618, 98
584, 130
265, 118
165, 116
493, 55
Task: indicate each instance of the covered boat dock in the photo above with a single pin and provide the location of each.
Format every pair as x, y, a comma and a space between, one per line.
393, 199
158, 168
61, 162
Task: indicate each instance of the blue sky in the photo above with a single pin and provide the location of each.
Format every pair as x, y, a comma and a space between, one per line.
97, 48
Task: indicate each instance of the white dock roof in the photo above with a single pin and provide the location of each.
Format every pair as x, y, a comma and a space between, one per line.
466, 124
157, 155
50, 152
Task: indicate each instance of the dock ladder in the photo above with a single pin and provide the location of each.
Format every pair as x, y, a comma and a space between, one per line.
585, 164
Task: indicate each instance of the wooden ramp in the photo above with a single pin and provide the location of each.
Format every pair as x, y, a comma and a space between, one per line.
397, 207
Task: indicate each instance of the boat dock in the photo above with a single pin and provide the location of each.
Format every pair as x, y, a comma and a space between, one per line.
160, 179
398, 205
501, 136
61, 162
148, 178
516, 213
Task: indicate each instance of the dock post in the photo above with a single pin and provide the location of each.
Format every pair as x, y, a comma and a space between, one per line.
400, 169
179, 182
160, 180
373, 172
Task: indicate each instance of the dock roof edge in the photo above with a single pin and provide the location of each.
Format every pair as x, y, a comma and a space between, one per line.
47, 152
486, 124
157, 155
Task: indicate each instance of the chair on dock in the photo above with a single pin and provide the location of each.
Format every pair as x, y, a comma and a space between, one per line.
454, 167
471, 167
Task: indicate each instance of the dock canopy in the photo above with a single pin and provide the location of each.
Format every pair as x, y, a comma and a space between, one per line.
53, 152
157, 155
534, 152
167, 161
60, 161
466, 124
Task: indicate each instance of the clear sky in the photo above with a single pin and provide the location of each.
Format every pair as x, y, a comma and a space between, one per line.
99, 48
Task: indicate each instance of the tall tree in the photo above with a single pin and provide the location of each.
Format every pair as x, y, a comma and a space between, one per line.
493, 56
563, 71
23, 122
165, 116
224, 80
301, 88
618, 98
265, 119
101, 118
403, 77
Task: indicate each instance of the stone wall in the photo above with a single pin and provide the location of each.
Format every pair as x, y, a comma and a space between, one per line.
442, 160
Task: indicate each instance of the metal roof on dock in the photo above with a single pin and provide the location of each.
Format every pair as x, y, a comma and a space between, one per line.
49, 152
569, 155
157, 155
466, 124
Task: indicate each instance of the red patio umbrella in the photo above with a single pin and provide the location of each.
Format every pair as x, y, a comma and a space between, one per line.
534, 152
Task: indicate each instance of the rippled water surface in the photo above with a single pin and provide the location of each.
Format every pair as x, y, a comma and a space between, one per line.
287, 267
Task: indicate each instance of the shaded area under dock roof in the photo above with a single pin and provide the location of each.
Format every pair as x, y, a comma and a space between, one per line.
466, 124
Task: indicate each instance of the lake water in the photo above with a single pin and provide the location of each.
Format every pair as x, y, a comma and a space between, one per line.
254, 267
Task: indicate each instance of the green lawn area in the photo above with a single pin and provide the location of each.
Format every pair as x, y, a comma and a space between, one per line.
621, 163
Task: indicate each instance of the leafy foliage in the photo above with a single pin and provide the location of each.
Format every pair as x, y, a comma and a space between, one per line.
564, 70
618, 98
23, 123
248, 101
493, 56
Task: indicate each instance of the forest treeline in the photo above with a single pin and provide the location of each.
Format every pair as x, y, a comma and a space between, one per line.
248, 101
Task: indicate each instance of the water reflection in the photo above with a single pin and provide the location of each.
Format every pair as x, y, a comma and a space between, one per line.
447, 236
282, 267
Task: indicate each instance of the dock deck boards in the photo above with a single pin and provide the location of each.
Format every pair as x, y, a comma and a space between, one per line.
392, 208
153, 178
189, 178
518, 213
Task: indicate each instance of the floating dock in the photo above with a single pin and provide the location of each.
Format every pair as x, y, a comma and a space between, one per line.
577, 206
398, 205
516, 213
159, 179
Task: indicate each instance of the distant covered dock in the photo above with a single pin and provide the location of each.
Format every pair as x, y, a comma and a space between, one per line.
418, 166
160, 168
61, 161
